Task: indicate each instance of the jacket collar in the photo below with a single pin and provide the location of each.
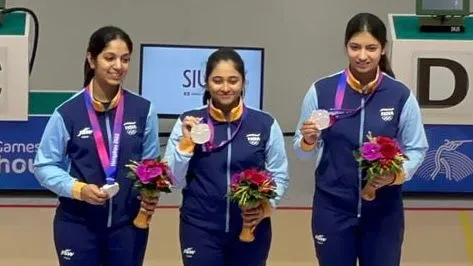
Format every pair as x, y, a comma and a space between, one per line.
356, 85
218, 115
98, 106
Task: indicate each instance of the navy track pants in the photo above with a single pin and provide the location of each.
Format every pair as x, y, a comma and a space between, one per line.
201, 247
375, 239
81, 245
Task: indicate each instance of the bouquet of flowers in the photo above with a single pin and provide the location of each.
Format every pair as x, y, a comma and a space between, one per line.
150, 177
250, 189
379, 156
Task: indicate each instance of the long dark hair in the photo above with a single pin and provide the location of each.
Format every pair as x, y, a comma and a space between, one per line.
222, 54
98, 41
366, 22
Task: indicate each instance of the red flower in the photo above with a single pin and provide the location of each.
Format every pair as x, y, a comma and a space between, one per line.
257, 178
389, 148
384, 141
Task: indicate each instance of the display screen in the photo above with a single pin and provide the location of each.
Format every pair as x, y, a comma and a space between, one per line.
172, 76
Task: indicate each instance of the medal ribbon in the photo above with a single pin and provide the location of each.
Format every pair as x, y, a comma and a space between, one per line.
210, 145
109, 164
338, 111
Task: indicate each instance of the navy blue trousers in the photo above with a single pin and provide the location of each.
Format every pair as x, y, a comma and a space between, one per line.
81, 245
374, 239
201, 247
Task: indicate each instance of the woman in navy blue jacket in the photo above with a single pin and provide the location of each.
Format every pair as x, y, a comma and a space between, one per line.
366, 98
84, 149
243, 138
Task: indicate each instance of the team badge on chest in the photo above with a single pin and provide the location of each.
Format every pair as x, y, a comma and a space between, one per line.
253, 139
387, 114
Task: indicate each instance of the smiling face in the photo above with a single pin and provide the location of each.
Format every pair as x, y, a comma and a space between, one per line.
225, 84
364, 52
111, 64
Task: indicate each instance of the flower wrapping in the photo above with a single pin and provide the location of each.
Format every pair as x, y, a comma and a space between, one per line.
379, 156
249, 189
150, 177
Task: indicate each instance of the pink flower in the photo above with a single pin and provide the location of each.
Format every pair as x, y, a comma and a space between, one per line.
236, 178
370, 151
148, 171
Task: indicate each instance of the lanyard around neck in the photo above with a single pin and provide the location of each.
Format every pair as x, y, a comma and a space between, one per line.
338, 111
209, 146
109, 163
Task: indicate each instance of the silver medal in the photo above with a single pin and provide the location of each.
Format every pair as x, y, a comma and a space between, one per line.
200, 133
321, 119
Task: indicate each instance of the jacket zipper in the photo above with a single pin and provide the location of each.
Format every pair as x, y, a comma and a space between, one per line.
229, 158
360, 140
109, 136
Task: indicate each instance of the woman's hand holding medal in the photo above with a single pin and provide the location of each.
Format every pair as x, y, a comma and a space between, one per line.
193, 129
319, 120
310, 131
187, 124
